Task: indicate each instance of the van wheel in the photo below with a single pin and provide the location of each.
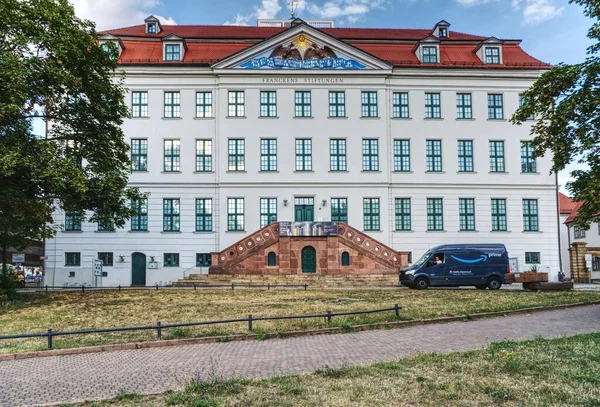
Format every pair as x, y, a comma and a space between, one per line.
421, 283
494, 283
481, 286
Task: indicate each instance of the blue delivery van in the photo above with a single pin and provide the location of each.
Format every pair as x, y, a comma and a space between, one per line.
479, 265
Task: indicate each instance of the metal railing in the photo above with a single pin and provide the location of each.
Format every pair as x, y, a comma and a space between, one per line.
83, 288
250, 320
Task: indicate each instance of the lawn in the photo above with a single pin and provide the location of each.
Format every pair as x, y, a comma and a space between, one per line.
558, 372
75, 310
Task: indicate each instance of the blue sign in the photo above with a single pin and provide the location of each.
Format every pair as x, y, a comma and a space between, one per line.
281, 63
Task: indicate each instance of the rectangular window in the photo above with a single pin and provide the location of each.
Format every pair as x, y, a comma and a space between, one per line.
466, 208
236, 104
495, 107
371, 214
465, 155
107, 259
370, 154
433, 150
172, 156
402, 155
337, 104
268, 154
499, 223
530, 215
204, 104
464, 106
171, 260
204, 215
497, 156
236, 160
172, 104
139, 104
171, 211
403, 217
203, 260
72, 221
268, 104
203, 155
579, 233
596, 263
139, 221
368, 102
433, 108
521, 103
528, 164
172, 52
139, 154
339, 210
492, 55
268, 211
532, 257
337, 155
303, 155
435, 214
430, 55
73, 259
400, 105
235, 214
303, 107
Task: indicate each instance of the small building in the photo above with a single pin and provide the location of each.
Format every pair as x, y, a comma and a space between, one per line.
584, 251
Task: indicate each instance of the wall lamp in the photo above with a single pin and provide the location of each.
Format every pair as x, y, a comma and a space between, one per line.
121, 258
324, 202
285, 202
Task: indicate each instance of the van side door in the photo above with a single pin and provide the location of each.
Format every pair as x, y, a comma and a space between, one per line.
465, 267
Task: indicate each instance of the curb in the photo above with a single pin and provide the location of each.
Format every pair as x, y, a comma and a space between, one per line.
291, 334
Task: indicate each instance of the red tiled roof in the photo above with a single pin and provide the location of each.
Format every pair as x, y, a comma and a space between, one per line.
575, 212
145, 52
565, 204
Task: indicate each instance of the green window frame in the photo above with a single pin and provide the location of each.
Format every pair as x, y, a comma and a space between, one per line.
521, 103
237, 107
236, 155
466, 209
497, 156
172, 105
268, 104
337, 104
139, 221
530, 215
303, 104
139, 154
235, 214
172, 52
172, 156
464, 106
339, 210
268, 211
337, 155
171, 215
433, 151
435, 214
371, 218
433, 109
106, 258
403, 215
139, 104
268, 154
72, 259
203, 260
271, 259
499, 221
532, 258
430, 55
303, 155
495, 106
369, 104
402, 155
492, 55
204, 215
171, 260
203, 155
528, 163
73, 221
204, 104
370, 156
400, 105
465, 156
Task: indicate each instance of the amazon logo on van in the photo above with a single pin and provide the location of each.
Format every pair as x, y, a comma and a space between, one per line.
482, 259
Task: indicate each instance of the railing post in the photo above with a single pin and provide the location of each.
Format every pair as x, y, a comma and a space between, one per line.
82, 288
158, 330
250, 323
305, 287
268, 286
328, 317
232, 286
119, 287
397, 309
194, 287
49, 338
46, 287
156, 286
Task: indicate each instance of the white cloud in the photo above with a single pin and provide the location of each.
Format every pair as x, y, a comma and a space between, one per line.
115, 14
533, 11
474, 2
352, 10
267, 9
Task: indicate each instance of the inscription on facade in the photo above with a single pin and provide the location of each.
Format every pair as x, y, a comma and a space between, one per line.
303, 80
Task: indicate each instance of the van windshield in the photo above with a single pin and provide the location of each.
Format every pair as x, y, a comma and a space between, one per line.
423, 259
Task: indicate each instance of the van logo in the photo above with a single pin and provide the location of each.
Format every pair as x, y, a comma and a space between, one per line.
482, 258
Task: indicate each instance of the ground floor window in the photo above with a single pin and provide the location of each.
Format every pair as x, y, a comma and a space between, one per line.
532, 257
107, 259
171, 260
345, 259
596, 263
203, 260
271, 259
72, 259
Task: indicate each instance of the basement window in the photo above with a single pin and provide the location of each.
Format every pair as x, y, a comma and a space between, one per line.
345, 259
272, 259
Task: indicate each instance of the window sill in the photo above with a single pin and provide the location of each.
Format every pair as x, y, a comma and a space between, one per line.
372, 231
171, 118
303, 117
138, 231
367, 171
369, 118
465, 120
402, 118
467, 231
433, 119
435, 231
72, 231
268, 172
170, 172
105, 231
268, 117
71, 266
235, 117
235, 231
303, 171
404, 231
435, 172
337, 117
497, 120
532, 231
341, 171
498, 172
403, 172
466, 172
204, 172
236, 172
204, 118
175, 232
500, 231
139, 171
204, 233
530, 173
140, 118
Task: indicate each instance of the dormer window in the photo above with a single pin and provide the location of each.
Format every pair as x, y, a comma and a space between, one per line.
430, 55
151, 28
492, 55
172, 52
443, 32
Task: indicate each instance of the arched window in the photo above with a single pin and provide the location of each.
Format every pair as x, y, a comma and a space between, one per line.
345, 259
271, 259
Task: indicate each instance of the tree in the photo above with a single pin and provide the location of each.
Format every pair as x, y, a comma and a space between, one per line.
52, 67
566, 102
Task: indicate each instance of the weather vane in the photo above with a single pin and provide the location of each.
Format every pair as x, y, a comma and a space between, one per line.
294, 6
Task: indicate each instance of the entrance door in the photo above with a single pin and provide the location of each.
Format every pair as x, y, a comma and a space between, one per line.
138, 269
304, 209
309, 260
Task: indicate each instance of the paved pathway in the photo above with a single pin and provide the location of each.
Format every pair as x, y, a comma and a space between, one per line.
102, 375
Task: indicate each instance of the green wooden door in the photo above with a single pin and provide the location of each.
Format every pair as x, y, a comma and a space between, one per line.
138, 269
309, 260
304, 213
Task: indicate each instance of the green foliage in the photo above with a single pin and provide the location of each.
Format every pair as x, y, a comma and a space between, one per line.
566, 102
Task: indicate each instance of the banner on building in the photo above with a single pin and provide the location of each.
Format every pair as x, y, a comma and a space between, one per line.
308, 229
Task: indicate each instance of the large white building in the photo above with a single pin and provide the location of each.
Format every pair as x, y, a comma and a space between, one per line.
403, 134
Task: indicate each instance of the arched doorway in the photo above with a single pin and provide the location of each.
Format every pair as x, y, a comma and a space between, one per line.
138, 269
309, 260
